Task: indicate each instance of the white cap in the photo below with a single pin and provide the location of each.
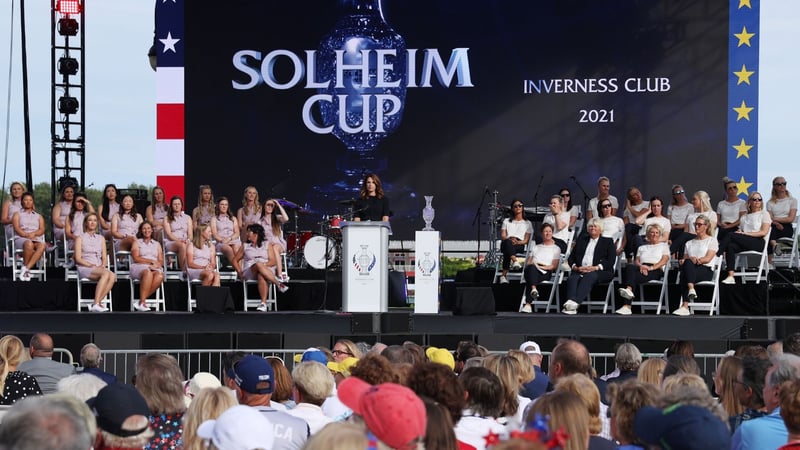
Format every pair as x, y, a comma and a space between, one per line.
238, 428
531, 348
199, 381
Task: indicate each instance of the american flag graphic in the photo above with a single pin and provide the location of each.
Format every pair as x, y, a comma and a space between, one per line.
170, 128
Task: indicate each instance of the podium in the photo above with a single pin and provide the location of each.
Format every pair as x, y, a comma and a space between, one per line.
365, 266
426, 272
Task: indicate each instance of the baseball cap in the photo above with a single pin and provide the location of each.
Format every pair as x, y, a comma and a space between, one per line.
344, 366
114, 404
681, 427
441, 356
238, 428
250, 371
312, 354
392, 412
199, 381
531, 348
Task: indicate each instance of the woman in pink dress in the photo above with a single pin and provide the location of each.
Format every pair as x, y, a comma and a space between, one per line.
273, 216
225, 230
108, 209
156, 211
201, 257
61, 211
253, 261
125, 224
91, 257
29, 234
177, 230
11, 205
250, 212
204, 211
81, 206
148, 264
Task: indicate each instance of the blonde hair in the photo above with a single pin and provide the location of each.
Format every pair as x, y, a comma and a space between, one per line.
526, 374
197, 239
338, 436
650, 371
586, 389
208, 404
682, 379
626, 399
566, 410
12, 352
728, 373
159, 379
507, 370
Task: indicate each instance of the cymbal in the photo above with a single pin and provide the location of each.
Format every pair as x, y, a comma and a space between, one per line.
288, 204
348, 202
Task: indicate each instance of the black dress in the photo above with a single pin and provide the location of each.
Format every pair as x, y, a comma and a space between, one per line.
18, 386
372, 208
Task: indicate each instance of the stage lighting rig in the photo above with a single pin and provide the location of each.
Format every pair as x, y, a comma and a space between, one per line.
67, 7
68, 105
68, 65
67, 26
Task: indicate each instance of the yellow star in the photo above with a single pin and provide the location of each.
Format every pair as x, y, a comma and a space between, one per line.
744, 75
743, 3
744, 37
742, 187
743, 150
743, 111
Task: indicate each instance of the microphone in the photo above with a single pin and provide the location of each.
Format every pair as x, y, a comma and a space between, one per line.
572, 178
486, 189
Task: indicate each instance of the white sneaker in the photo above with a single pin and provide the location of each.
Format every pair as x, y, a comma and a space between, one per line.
526, 308
625, 293
25, 275
534, 294
516, 265
692, 295
624, 311
262, 307
682, 311
282, 287
503, 280
284, 277
98, 308
570, 307
141, 307
728, 280
565, 267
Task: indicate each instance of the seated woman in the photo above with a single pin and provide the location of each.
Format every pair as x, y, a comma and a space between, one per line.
515, 233
148, 264
730, 210
90, 257
204, 211
11, 205
782, 207
273, 216
61, 211
250, 212
603, 193
649, 264
591, 262
573, 210
177, 230
225, 230
701, 203
679, 208
754, 227
156, 211
635, 207
201, 258
253, 261
656, 216
125, 225
613, 226
28, 234
108, 209
14, 384
81, 206
697, 263
541, 264
559, 219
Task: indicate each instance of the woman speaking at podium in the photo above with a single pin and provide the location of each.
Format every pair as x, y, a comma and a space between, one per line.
372, 204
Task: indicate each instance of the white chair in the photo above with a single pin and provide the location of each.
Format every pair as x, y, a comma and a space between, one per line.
39, 271
156, 303
554, 297
610, 297
663, 295
743, 260
252, 303
172, 270
513, 274
228, 274
711, 306
87, 302
793, 258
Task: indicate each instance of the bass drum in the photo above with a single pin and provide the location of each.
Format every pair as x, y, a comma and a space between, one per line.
314, 252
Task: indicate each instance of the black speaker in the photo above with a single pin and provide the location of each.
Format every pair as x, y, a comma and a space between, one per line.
212, 299
397, 289
474, 301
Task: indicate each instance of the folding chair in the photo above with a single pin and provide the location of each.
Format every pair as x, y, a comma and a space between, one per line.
713, 306
172, 270
156, 303
39, 271
663, 296
87, 302
228, 274
610, 297
743, 263
513, 274
554, 297
252, 303
793, 258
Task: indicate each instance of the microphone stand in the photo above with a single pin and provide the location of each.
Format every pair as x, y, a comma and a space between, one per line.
477, 219
536, 195
585, 197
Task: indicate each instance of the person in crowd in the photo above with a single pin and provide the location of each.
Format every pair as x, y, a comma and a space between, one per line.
570, 357
282, 395
81, 387
626, 400
148, 264
635, 208
198, 382
465, 351
687, 419
750, 350
541, 264
156, 211
591, 262
753, 229
484, 406
573, 209
372, 203
656, 216
677, 211
178, 231
526, 372
250, 212
538, 385
515, 233
125, 224
559, 219
29, 231
775, 348
374, 369
628, 359
725, 378
583, 386
782, 208
566, 411
239, 427
204, 211
12, 204
345, 348
54, 422
603, 193
208, 404
680, 347
730, 209
73, 226
651, 370
273, 216
678, 364
313, 384
61, 211
790, 413
613, 226
697, 263
122, 418
201, 258
508, 370
650, 263
14, 384
340, 436
90, 359
791, 344
91, 258
41, 365
225, 230
437, 382
701, 203
255, 261
108, 209
439, 430
679, 381
160, 381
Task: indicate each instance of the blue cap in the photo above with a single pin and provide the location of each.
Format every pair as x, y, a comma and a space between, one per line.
681, 427
251, 371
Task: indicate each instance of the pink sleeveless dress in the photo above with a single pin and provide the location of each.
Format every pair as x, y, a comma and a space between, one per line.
253, 255
14, 206
28, 222
179, 228
58, 233
225, 230
91, 252
149, 251
202, 256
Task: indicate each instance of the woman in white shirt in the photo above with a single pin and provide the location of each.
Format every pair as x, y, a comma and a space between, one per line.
515, 233
782, 208
541, 265
559, 219
613, 226
649, 264
754, 227
697, 263
701, 203
635, 207
730, 210
679, 208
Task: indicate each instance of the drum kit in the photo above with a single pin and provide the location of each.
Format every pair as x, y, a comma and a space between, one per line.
317, 250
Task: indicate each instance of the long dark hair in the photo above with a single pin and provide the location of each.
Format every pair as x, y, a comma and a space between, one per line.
568, 203
259, 231
170, 212
652, 199
106, 203
274, 220
216, 208
378, 185
133, 213
75, 199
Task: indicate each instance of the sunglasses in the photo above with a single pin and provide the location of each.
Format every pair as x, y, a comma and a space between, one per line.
341, 352
678, 192
566, 194
779, 184
605, 206
731, 188
518, 205
699, 224
756, 199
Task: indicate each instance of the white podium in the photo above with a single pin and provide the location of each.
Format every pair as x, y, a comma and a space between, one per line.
426, 272
365, 266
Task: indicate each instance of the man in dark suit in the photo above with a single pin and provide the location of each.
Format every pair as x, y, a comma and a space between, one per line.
42, 367
591, 262
90, 361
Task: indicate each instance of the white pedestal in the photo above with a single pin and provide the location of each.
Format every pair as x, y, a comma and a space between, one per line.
365, 266
426, 272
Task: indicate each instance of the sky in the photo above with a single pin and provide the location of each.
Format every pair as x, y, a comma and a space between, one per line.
120, 92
